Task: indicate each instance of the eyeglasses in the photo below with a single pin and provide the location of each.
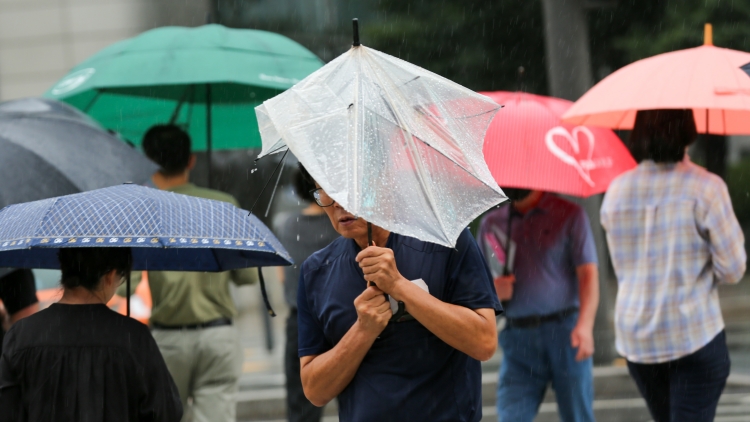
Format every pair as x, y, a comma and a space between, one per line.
321, 197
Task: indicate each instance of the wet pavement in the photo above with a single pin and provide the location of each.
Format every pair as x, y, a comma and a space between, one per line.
262, 395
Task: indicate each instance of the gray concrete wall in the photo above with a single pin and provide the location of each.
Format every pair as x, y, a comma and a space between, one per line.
40, 40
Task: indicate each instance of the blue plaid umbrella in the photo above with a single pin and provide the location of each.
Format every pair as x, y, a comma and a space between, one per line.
166, 231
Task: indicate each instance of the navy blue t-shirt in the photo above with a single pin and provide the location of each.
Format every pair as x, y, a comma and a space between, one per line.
408, 374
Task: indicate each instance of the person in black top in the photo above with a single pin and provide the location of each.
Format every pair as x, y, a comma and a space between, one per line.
18, 293
80, 361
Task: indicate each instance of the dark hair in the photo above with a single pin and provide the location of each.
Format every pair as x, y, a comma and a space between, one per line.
303, 184
305, 174
662, 135
516, 194
84, 267
169, 147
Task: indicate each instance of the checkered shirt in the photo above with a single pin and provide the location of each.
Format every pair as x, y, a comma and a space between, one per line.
673, 237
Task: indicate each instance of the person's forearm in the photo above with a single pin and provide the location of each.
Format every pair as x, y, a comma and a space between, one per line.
464, 329
588, 292
326, 375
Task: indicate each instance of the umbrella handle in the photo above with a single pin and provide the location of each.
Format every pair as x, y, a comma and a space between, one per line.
506, 269
264, 293
399, 313
127, 294
369, 243
401, 306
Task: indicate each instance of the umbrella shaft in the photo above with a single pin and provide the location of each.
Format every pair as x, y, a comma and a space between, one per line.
208, 131
506, 270
127, 294
369, 243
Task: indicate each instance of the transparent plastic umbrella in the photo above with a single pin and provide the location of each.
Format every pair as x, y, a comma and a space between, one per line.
391, 142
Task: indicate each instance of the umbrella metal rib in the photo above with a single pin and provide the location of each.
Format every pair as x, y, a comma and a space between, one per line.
439, 130
412, 148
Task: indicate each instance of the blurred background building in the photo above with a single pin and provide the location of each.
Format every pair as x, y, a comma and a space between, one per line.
41, 40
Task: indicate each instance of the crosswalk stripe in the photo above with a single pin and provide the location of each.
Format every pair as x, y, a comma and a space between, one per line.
733, 407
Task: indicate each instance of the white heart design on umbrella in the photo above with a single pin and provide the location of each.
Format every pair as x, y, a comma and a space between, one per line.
583, 166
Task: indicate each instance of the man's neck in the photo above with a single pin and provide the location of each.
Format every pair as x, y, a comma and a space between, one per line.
81, 296
168, 182
526, 204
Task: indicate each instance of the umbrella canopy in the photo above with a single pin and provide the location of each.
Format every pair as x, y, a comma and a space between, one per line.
167, 231
390, 142
172, 73
527, 146
706, 79
48, 149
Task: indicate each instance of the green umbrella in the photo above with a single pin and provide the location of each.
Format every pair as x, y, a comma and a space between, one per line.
207, 79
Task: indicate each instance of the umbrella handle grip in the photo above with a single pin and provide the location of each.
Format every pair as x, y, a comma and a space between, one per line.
401, 306
400, 312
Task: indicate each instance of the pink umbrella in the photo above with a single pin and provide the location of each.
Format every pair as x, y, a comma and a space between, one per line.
706, 79
527, 146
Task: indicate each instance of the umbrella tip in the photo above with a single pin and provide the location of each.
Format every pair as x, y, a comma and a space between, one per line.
355, 32
708, 34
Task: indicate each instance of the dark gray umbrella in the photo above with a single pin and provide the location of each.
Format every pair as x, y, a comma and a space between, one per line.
48, 149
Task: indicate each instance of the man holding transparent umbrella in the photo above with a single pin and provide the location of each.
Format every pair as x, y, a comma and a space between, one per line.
397, 145
421, 363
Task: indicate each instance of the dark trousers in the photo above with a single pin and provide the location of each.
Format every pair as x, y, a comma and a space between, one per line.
686, 389
299, 409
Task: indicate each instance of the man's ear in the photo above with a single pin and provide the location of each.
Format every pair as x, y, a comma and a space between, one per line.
191, 163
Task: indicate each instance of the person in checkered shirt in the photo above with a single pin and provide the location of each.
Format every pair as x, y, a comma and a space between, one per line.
673, 238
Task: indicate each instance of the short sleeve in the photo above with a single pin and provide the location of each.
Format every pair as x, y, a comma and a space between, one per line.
312, 340
582, 239
471, 283
18, 290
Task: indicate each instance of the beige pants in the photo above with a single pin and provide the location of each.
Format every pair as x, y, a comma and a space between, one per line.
205, 365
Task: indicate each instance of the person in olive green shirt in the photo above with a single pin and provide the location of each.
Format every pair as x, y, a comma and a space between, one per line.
191, 316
